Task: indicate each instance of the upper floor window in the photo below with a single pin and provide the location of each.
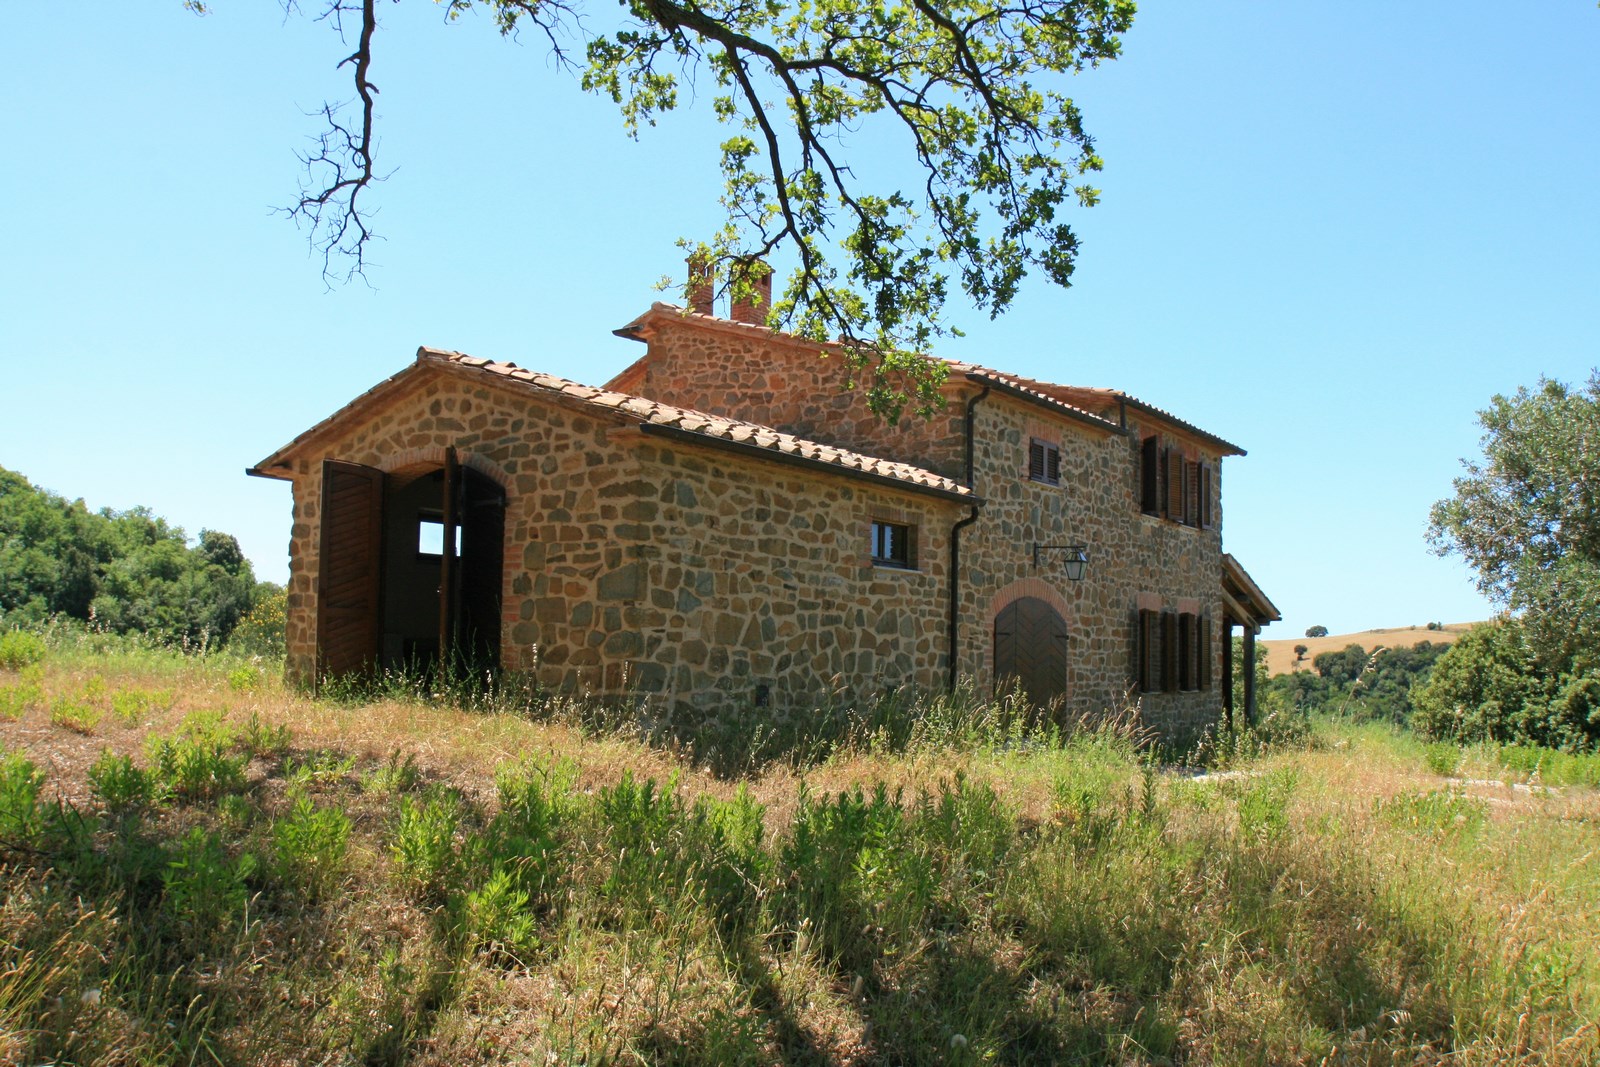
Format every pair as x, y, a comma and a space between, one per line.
1044, 462
1172, 486
894, 544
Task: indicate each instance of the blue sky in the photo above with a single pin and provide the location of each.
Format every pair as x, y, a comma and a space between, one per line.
1330, 232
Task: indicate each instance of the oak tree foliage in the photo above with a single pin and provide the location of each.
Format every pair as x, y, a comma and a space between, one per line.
970, 93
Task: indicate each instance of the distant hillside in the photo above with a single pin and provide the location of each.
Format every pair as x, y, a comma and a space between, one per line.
1280, 651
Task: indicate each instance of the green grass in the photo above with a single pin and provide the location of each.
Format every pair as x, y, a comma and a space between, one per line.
404, 881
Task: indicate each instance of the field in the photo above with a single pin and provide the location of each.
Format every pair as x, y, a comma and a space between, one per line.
200, 867
1280, 651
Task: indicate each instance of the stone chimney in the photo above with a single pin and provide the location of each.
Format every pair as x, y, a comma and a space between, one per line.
753, 309
702, 287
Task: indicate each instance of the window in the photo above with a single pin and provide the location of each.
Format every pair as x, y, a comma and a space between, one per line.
1044, 462
894, 544
430, 536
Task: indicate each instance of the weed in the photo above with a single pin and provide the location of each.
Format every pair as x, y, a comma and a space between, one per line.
131, 706
195, 764
310, 844
1449, 811
206, 891
15, 700
396, 776
318, 768
425, 852
123, 788
1442, 758
76, 715
19, 649
1264, 805
246, 678
263, 739
498, 918
20, 781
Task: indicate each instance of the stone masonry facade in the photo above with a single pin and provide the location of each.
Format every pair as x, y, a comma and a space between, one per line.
691, 575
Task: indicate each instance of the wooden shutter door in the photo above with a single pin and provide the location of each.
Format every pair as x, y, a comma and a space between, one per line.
351, 555
1150, 476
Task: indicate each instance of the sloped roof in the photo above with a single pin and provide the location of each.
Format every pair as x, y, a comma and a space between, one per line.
1075, 402
752, 439
1237, 584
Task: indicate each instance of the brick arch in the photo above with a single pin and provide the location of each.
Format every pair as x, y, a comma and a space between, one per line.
409, 463
1009, 594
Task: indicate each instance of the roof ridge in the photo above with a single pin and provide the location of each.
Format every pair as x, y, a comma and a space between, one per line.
754, 435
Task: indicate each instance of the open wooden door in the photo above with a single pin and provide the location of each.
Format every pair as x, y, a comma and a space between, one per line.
348, 590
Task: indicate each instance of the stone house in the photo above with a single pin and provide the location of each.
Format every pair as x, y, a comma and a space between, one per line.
721, 525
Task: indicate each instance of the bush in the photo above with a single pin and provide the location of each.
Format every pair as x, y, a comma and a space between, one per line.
19, 649
123, 788
19, 799
1491, 685
195, 763
205, 888
425, 844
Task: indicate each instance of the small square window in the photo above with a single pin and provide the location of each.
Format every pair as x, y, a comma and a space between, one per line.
893, 544
430, 536
1044, 462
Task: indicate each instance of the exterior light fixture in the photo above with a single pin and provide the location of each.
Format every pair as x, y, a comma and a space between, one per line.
1074, 559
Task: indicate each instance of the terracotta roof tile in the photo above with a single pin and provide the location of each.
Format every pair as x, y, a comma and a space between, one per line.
709, 426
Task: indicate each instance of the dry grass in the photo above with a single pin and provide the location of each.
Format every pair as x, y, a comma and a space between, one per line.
1340, 903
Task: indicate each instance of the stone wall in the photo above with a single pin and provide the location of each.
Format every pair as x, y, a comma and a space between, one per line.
746, 372
1134, 560
685, 576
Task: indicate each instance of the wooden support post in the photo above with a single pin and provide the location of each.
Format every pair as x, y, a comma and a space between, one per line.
447, 560
1227, 672
1250, 674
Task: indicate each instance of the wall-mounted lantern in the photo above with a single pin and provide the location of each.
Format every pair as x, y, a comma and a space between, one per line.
1074, 559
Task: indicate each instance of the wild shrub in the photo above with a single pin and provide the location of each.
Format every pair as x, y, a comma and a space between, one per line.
967, 833
535, 799
20, 817
206, 890
245, 678
849, 876
1435, 812
195, 762
19, 649
76, 715
123, 788
260, 738
396, 776
309, 843
428, 861
644, 826
132, 705
15, 700
730, 861
498, 918
319, 767
1442, 758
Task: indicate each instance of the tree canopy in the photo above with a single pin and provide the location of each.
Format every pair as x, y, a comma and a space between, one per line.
127, 570
971, 94
1527, 519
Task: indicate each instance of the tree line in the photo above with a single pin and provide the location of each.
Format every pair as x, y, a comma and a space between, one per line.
124, 571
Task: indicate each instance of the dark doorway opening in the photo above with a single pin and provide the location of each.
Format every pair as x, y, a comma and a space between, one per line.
1030, 650
412, 565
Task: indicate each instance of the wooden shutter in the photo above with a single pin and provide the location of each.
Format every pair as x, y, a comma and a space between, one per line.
1150, 476
1205, 496
1169, 651
1192, 494
1147, 655
349, 561
1207, 654
1053, 465
1036, 460
1175, 493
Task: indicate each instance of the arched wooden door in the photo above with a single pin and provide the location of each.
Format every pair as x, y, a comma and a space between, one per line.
1030, 647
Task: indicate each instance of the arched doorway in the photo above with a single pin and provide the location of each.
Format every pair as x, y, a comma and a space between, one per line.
1030, 649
